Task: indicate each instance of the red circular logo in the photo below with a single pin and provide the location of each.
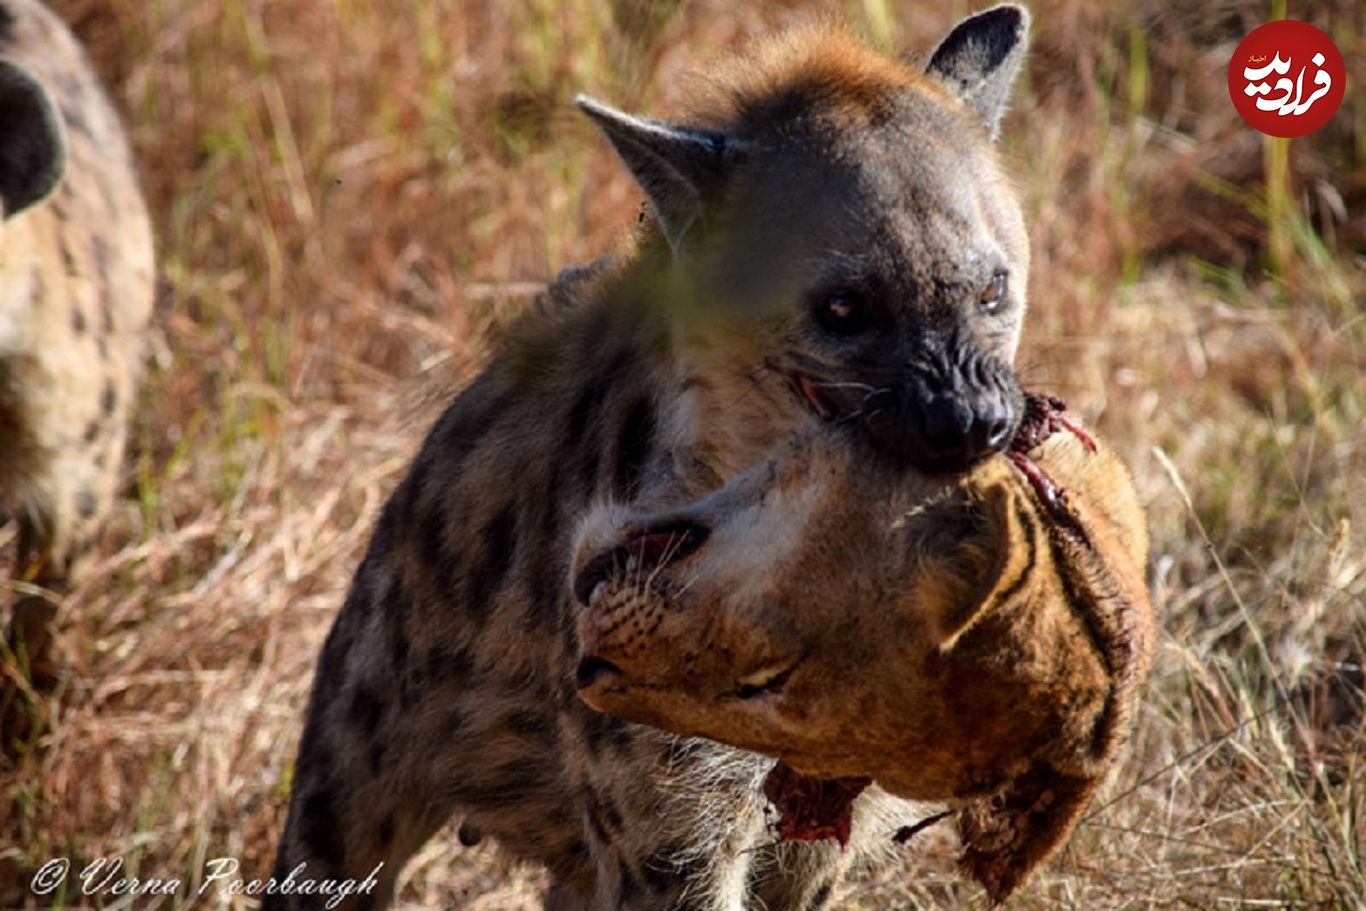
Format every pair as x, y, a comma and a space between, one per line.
1287, 78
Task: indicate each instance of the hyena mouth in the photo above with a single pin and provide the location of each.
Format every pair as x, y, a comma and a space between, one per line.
647, 551
808, 391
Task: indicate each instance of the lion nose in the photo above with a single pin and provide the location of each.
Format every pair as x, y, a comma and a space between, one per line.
593, 669
953, 432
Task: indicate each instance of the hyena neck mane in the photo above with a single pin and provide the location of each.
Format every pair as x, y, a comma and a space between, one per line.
651, 410
819, 72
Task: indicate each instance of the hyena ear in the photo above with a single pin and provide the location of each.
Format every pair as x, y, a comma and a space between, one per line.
980, 58
676, 166
32, 142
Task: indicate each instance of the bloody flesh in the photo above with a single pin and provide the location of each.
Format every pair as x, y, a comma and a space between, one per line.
1044, 416
812, 809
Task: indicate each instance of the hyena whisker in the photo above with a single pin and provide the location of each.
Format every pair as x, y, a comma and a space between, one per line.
831, 384
860, 413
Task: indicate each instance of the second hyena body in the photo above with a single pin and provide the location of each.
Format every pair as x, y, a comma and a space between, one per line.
76, 275
76, 286
835, 250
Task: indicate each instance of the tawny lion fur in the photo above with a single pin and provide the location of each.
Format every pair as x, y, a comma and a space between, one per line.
952, 640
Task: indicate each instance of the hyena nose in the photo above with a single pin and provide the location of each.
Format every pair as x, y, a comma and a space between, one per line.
954, 433
997, 430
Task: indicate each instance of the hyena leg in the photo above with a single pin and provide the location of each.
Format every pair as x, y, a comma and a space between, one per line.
671, 822
799, 875
409, 721
370, 785
30, 583
666, 877
28, 668
354, 809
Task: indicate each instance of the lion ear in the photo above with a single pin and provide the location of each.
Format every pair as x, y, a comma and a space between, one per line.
972, 580
1010, 834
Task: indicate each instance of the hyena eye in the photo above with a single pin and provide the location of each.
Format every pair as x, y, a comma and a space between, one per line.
842, 312
994, 294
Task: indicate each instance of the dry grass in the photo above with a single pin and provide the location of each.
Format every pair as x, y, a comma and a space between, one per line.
350, 192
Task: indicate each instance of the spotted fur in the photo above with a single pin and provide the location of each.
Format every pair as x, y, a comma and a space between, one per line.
76, 278
447, 686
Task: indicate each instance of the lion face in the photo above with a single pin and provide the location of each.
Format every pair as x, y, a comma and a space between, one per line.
944, 638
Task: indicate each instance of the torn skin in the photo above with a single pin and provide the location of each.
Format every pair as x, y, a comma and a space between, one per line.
1044, 416
812, 809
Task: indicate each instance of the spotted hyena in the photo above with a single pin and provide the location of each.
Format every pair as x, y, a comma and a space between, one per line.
75, 296
834, 242
977, 639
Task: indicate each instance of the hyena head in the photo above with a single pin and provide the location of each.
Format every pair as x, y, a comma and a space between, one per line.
841, 235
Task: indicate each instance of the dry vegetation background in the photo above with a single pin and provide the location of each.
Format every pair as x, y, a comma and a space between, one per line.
350, 193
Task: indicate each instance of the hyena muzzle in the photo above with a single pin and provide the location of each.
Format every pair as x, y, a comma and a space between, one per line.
833, 243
